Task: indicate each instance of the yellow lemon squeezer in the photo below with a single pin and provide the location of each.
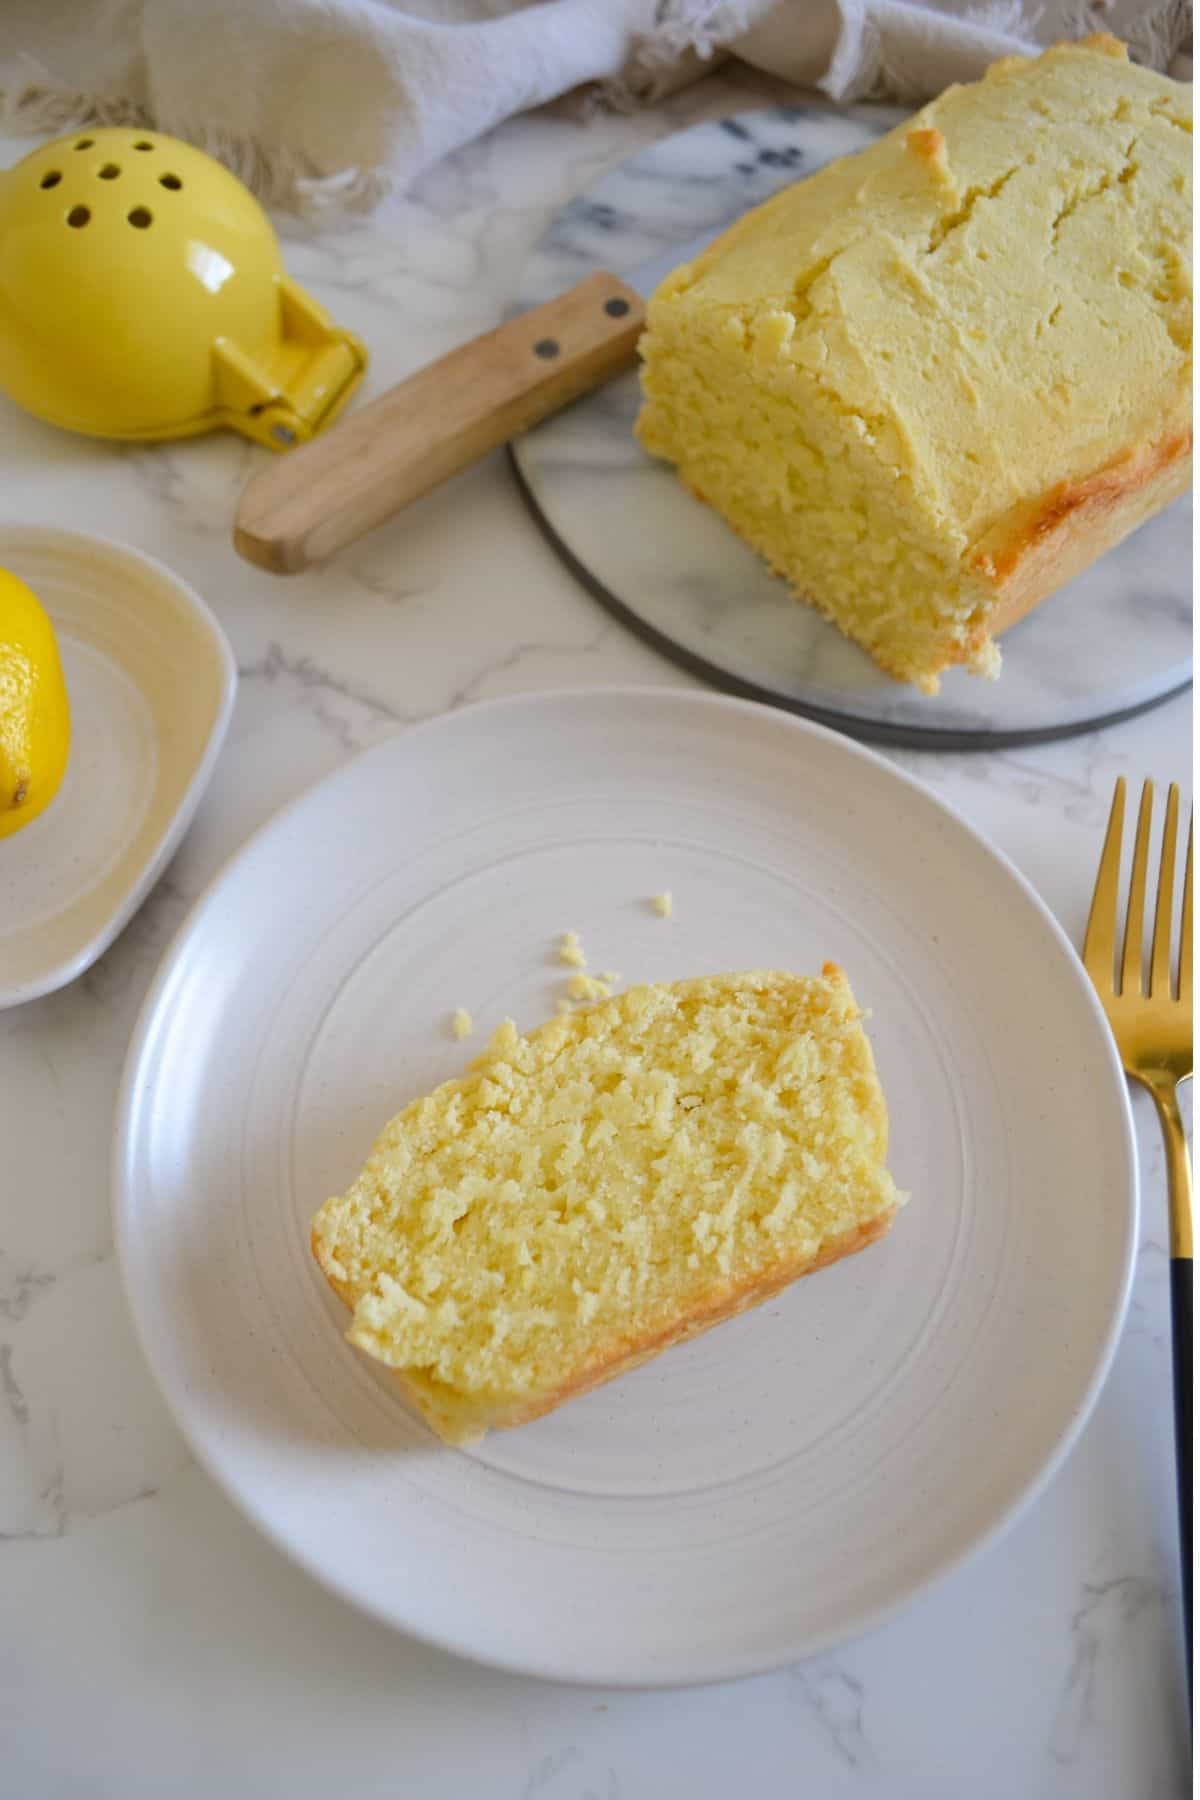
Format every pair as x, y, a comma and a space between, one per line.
143, 295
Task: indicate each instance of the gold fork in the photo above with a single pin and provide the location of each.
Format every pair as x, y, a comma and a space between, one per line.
1152, 1024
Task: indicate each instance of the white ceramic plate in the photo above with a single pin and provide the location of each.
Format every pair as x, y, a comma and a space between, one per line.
150, 680
788, 1478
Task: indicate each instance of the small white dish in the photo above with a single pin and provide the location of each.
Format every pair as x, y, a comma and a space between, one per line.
779, 1483
151, 680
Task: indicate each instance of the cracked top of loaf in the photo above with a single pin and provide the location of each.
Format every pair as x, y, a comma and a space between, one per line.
996, 295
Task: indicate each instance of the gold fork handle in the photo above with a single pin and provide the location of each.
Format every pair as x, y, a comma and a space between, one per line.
1179, 1196
1179, 1168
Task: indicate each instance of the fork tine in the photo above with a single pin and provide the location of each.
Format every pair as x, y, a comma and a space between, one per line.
1185, 929
1131, 960
1099, 940
1160, 954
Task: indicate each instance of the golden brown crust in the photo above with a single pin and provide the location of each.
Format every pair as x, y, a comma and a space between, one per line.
1036, 551
1102, 41
1044, 544
926, 142
628, 1353
1038, 548
620, 1358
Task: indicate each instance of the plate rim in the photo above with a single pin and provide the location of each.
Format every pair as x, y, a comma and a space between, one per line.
71, 967
573, 1670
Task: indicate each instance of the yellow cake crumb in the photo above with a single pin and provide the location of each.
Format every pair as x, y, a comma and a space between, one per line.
609, 1184
588, 987
663, 905
461, 1022
571, 951
933, 381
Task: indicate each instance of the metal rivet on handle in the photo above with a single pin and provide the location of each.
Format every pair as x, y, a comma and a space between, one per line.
546, 348
616, 308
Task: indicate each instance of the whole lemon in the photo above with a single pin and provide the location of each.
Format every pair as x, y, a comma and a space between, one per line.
35, 720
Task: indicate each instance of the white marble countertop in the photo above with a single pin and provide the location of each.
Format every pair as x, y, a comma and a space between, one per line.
151, 1644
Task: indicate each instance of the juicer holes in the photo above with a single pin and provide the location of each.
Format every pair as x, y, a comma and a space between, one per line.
170, 181
143, 144
85, 143
78, 216
51, 178
141, 217
109, 172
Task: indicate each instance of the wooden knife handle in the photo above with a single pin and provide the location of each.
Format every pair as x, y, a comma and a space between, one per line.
314, 500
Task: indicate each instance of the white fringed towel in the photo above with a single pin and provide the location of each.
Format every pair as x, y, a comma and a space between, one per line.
340, 100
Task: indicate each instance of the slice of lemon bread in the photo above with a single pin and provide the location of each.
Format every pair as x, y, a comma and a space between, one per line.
933, 381
618, 1180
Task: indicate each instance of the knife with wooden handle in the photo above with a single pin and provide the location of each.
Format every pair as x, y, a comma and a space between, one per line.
313, 501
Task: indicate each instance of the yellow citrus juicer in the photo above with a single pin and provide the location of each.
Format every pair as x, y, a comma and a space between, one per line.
143, 295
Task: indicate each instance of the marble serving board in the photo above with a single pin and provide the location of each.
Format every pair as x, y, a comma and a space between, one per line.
1114, 641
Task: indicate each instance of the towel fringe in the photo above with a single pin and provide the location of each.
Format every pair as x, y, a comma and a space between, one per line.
37, 107
277, 177
687, 34
877, 53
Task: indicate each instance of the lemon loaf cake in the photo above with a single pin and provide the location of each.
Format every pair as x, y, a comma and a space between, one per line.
613, 1182
936, 379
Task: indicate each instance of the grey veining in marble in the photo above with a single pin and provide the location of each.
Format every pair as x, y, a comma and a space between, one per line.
1116, 639
152, 1645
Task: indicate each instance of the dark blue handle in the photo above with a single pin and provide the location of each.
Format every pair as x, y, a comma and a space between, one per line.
1181, 1336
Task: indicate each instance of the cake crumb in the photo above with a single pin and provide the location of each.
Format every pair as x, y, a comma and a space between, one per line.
582, 1128
609, 977
663, 904
461, 1023
571, 951
588, 987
